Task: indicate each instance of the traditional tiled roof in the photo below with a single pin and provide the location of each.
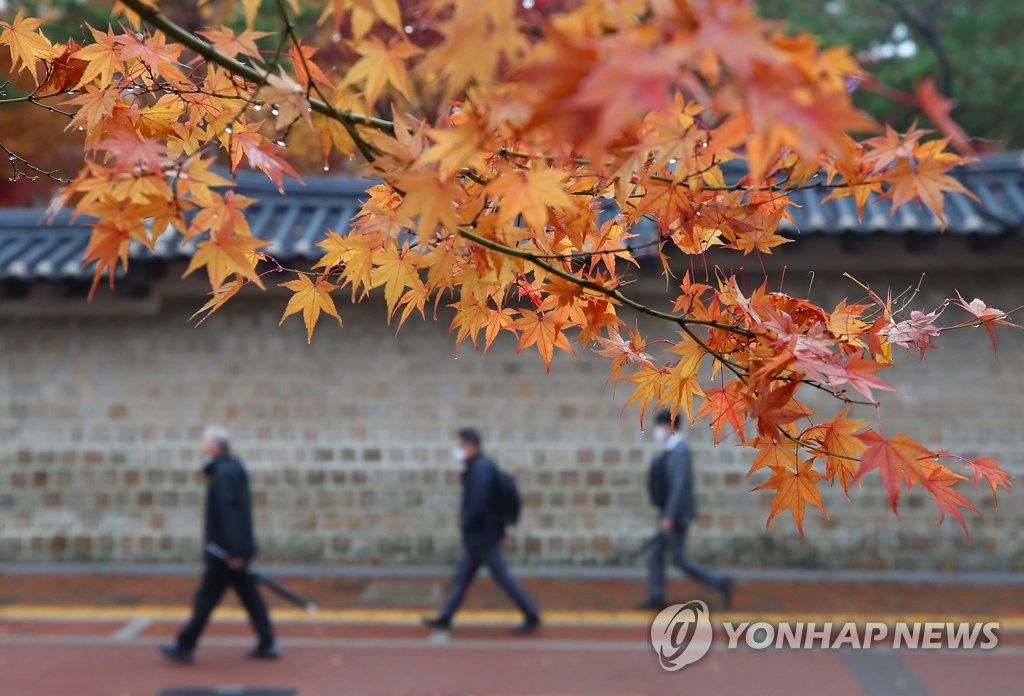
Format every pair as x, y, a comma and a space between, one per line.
31, 249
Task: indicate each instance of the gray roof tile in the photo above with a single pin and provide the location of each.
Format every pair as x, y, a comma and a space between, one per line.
31, 249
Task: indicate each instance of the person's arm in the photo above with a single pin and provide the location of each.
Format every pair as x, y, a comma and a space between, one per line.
232, 493
678, 473
479, 481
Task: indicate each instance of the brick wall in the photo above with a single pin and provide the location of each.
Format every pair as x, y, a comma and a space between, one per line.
348, 441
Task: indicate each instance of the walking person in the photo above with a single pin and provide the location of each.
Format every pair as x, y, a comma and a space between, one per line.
672, 489
483, 527
228, 523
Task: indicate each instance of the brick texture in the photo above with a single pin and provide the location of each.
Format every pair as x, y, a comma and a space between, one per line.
348, 442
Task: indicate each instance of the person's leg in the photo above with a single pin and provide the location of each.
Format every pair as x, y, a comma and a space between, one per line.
248, 592
465, 571
499, 571
703, 575
656, 570
211, 589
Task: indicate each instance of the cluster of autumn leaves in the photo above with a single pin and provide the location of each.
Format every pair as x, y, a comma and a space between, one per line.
496, 203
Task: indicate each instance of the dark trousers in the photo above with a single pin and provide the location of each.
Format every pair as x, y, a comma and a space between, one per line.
674, 543
216, 579
466, 570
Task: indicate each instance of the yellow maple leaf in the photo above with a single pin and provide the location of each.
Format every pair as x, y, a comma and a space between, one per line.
311, 299
25, 42
224, 254
531, 193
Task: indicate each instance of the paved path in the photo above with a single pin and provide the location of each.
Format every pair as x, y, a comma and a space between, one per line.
95, 635
109, 651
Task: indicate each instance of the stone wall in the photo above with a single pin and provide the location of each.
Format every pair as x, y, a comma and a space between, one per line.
348, 440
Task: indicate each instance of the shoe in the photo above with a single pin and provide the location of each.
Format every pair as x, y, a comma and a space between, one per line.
437, 623
726, 591
176, 653
528, 626
651, 604
265, 652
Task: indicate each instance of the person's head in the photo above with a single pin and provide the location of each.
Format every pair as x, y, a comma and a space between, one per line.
664, 425
467, 444
216, 442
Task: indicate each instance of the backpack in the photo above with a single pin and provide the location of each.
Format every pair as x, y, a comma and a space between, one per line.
509, 501
657, 481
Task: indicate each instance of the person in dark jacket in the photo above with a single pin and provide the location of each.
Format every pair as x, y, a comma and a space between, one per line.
672, 492
229, 526
483, 528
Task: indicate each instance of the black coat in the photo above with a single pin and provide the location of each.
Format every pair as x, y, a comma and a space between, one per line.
229, 508
681, 502
481, 520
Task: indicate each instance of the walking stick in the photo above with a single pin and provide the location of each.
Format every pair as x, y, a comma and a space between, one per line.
270, 583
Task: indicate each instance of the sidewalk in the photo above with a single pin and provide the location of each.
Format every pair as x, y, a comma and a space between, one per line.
386, 590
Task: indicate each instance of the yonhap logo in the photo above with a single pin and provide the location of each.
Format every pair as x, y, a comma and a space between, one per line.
681, 634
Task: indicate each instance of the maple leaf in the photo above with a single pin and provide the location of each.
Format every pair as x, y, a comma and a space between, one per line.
224, 254
310, 298
108, 244
364, 14
261, 154
988, 316
989, 469
65, 72
925, 179
219, 298
305, 69
396, 270
726, 405
844, 324
289, 97
842, 448
473, 315
917, 331
939, 109
772, 454
380, 65
897, 459
622, 352
939, 482
544, 330
794, 489
776, 407
25, 42
650, 384
102, 59
227, 42
683, 382
531, 193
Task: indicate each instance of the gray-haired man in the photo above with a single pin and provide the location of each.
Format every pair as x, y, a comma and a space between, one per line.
229, 526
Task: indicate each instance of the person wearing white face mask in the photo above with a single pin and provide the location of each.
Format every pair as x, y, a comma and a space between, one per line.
671, 487
483, 516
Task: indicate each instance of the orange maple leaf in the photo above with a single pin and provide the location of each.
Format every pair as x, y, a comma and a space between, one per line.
543, 330
897, 459
531, 194
310, 298
726, 405
841, 446
261, 154
65, 72
108, 244
939, 481
776, 407
989, 469
793, 490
